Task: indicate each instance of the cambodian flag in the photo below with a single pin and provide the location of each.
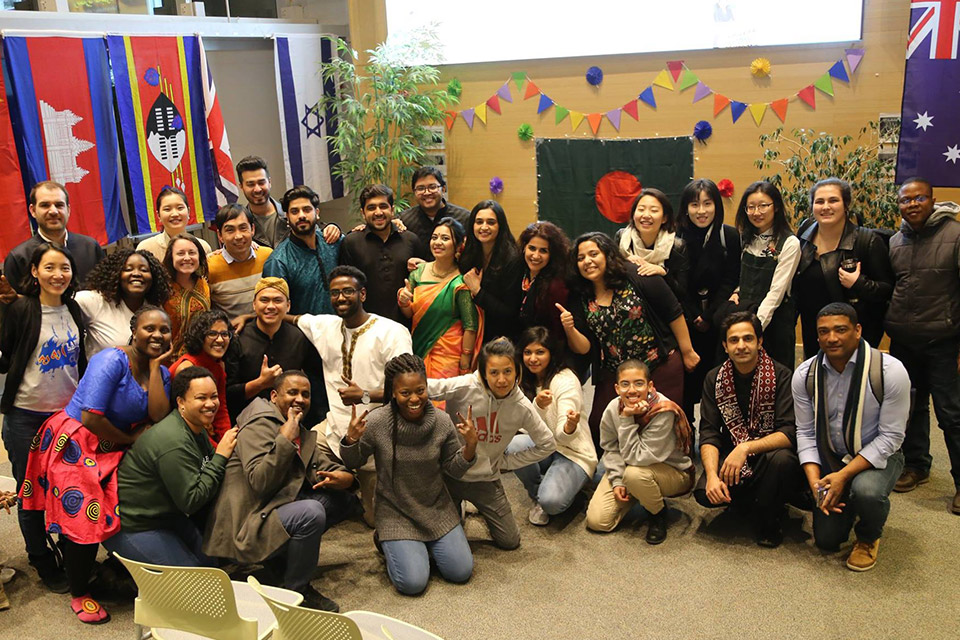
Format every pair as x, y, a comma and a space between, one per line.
160, 99
63, 113
930, 116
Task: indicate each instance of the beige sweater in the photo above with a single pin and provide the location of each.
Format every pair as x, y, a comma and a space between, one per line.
568, 395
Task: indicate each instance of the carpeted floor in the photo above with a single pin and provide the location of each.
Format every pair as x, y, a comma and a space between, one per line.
707, 580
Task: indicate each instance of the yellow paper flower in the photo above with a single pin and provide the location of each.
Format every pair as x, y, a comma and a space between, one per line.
760, 67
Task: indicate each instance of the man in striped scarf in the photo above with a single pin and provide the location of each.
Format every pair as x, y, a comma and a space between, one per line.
851, 418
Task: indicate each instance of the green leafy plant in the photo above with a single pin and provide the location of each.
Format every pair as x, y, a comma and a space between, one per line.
864, 161
384, 109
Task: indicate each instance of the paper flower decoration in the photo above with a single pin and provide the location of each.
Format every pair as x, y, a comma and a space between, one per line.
760, 67
454, 88
525, 132
496, 185
725, 187
702, 130
594, 75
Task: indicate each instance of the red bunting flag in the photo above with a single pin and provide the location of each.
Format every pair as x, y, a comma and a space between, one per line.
631, 109
719, 103
808, 95
779, 107
676, 68
494, 103
532, 90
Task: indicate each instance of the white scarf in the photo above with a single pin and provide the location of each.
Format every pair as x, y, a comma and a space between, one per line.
632, 244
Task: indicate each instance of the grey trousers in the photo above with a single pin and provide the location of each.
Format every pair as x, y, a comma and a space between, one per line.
491, 502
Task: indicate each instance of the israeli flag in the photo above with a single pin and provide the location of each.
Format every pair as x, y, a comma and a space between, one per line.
308, 155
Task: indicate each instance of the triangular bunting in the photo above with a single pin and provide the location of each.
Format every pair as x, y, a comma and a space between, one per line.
518, 78
675, 67
779, 107
631, 109
561, 113
839, 72
701, 92
757, 109
504, 92
532, 90
575, 119
450, 117
719, 103
663, 80
468, 116
647, 96
824, 83
594, 119
481, 111
687, 80
545, 103
808, 95
854, 56
737, 109
614, 118
494, 103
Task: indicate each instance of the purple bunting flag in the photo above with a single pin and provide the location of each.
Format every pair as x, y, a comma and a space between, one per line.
468, 115
504, 92
854, 56
701, 92
614, 118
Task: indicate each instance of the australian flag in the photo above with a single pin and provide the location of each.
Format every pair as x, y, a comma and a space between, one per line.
930, 115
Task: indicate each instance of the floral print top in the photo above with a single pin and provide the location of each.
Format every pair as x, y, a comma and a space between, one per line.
623, 330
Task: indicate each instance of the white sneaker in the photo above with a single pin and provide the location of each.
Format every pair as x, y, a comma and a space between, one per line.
537, 515
6, 574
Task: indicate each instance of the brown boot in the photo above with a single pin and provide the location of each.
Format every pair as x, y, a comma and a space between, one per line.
910, 479
863, 557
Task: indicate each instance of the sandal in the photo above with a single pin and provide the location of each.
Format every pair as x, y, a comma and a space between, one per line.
89, 610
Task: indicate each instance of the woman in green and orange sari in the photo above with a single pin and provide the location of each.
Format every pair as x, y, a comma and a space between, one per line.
446, 323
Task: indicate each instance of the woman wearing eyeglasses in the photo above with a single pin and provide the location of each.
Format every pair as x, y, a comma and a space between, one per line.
770, 256
840, 262
206, 340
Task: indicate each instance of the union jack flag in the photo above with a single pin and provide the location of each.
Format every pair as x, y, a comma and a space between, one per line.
939, 23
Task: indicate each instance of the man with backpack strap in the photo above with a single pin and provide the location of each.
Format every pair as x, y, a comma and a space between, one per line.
849, 434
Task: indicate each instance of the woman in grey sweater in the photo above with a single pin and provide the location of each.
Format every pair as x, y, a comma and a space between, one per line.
413, 445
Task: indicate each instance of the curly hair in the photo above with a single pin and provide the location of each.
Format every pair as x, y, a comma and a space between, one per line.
31, 287
614, 277
559, 247
135, 318
105, 277
201, 271
196, 331
181, 381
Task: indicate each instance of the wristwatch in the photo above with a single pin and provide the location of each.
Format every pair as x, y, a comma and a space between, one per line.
365, 398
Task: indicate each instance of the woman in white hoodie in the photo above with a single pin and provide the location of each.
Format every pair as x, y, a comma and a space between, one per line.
500, 410
557, 395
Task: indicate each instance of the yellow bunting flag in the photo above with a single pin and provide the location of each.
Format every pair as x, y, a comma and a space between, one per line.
757, 109
481, 111
594, 120
575, 119
663, 80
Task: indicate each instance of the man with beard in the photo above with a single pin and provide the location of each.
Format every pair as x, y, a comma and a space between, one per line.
381, 252
354, 346
280, 492
270, 228
304, 259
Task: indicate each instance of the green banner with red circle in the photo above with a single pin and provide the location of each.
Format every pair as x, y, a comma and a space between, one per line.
588, 185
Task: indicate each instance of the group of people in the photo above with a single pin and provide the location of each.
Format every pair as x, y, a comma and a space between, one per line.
191, 407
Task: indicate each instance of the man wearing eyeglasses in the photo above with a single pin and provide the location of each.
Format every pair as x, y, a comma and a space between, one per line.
923, 322
381, 251
429, 188
748, 434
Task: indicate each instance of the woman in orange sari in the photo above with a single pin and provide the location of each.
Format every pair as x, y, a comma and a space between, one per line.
446, 323
186, 264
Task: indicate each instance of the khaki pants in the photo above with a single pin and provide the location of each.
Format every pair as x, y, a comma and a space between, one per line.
648, 485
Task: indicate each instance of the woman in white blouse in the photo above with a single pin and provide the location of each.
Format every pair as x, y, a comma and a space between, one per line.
770, 256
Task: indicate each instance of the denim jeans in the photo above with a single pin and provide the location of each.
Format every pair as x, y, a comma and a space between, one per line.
19, 428
553, 482
933, 371
867, 498
177, 545
408, 561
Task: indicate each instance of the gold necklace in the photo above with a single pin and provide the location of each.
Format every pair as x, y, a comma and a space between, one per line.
437, 274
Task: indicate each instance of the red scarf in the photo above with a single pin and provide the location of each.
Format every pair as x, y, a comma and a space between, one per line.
763, 401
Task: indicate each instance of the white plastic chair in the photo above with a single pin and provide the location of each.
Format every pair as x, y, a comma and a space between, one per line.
200, 602
299, 623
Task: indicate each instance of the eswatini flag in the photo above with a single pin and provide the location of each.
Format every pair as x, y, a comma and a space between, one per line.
63, 113
160, 99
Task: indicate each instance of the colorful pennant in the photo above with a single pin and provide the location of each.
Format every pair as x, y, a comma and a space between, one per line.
631, 109
647, 96
594, 119
518, 78
808, 95
614, 118
676, 67
504, 92
687, 80
561, 113
468, 117
719, 104
779, 107
737, 109
701, 92
839, 72
545, 103
575, 119
663, 80
757, 109
481, 111
494, 103
824, 83
854, 56
532, 90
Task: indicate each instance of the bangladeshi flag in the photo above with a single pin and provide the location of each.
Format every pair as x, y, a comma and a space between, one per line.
588, 185
14, 227
62, 112
159, 91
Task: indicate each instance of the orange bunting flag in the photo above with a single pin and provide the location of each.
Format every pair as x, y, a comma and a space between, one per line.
494, 103
779, 107
808, 95
757, 109
594, 120
450, 117
532, 90
631, 109
719, 103
575, 119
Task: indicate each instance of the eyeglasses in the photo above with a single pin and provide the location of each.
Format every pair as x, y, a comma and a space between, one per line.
626, 385
904, 201
349, 292
763, 207
427, 188
213, 335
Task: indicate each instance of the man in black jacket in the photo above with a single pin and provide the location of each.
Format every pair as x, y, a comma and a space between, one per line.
50, 207
923, 322
429, 188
